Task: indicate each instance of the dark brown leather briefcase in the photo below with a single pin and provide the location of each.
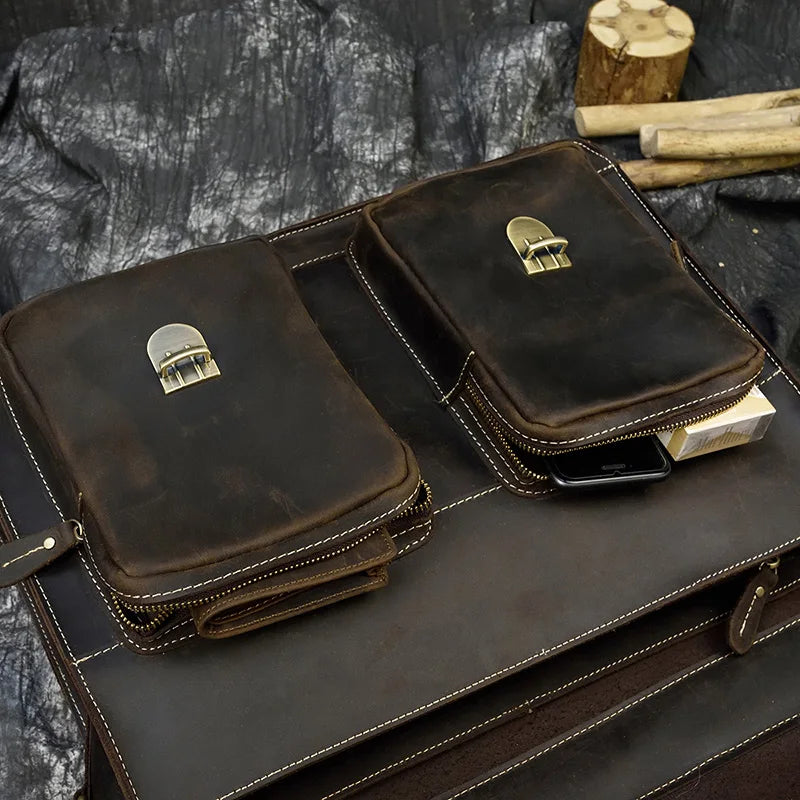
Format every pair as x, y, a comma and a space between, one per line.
541, 643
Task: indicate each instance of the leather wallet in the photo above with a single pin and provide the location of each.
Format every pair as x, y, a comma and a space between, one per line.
221, 463
553, 311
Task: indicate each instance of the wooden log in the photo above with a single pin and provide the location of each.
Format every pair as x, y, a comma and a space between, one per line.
651, 173
620, 119
633, 51
768, 118
685, 143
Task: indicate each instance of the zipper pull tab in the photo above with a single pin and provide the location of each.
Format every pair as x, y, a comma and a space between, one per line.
20, 558
744, 622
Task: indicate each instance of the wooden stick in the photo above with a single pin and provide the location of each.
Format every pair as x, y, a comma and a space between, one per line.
768, 118
685, 143
653, 174
619, 119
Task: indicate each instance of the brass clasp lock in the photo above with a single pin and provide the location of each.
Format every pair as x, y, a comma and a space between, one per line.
180, 356
536, 245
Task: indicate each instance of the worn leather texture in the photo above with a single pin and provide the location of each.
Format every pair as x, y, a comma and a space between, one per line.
276, 466
673, 733
449, 591
622, 342
459, 742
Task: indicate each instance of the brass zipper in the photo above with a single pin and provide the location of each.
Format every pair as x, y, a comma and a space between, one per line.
507, 438
155, 616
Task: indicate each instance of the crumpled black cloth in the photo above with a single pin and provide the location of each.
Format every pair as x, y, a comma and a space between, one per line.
117, 147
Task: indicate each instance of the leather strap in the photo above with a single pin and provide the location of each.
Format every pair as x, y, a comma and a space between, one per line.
22, 557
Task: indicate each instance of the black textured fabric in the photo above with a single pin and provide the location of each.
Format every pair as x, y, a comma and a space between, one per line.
122, 145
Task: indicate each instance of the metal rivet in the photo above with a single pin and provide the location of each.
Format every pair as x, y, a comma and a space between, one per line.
49, 543
759, 591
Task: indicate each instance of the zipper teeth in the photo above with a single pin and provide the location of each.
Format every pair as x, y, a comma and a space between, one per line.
163, 611
505, 436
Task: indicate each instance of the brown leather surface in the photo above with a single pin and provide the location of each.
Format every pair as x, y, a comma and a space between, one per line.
505, 584
621, 342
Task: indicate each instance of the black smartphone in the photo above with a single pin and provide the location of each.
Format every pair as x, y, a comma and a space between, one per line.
639, 460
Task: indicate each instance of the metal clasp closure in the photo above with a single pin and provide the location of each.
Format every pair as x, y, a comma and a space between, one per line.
536, 245
180, 356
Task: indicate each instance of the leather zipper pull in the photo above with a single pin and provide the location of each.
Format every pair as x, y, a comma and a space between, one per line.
744, 622
20, 558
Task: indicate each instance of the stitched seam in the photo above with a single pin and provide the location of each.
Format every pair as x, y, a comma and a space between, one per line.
467, 499
489, 439
747, 615
597, 723
313, 225
527, 703
614, 714
722, 753
318, 258
28, 448
262, 619
426, 535
605, 169
251, 567
337, 571
36, 579
614, 427
388, 317
98, 653
33, 607
457, 384
767, 380
108, 731
24, 555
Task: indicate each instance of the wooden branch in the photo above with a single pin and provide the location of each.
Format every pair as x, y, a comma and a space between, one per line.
768, 118
620, 119
633, 51
654, 174
685, 143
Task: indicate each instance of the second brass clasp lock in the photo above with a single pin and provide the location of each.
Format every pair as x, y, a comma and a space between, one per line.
536, 245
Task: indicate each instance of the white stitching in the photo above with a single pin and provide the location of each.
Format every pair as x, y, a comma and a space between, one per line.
614, 427
457, 384
725, 752
527, 703
108, 731
747, 615
605, 168
589, 727
467, 499
98, 653
318, 258
778, 371
32, 605
313, 225
405, 548
507, 481
24, 555
28, 448
389, 319
289, 553
612, 715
